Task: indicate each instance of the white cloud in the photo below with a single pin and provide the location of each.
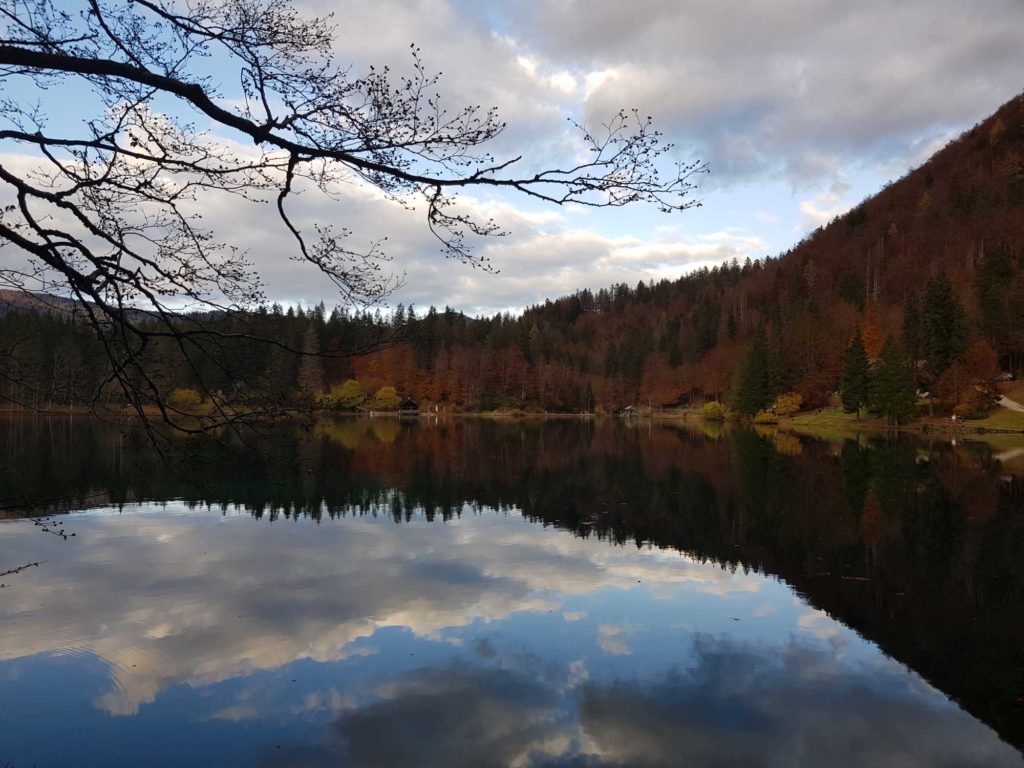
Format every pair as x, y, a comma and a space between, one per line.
765, 87
821, 209
800, 92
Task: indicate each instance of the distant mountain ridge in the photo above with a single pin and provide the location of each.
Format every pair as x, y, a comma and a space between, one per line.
12, 300
23, 301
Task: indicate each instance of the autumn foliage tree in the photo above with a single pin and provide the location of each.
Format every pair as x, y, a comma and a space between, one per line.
347, 395
969, 386
385, 399
871, 332
788, 403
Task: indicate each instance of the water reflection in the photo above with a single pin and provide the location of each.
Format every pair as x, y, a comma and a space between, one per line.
496, 625
175, 597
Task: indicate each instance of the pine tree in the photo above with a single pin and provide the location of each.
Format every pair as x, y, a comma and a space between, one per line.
992, 283
675, 354
944, 325
893, 388
856, 383
1017, 327
758, 381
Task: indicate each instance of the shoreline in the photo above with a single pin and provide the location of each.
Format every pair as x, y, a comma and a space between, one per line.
821, 425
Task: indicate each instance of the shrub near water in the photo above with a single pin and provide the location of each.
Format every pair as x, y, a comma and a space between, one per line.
789, 403
385, 399
713, 411
347, 396
185, 399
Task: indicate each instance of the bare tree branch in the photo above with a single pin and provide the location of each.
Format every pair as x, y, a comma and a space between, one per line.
110, 212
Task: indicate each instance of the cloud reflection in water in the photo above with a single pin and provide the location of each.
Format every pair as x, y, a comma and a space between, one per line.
486, 640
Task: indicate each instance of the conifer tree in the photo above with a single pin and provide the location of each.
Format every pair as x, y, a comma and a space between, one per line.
944, 325
912, 330
856, 383
992, 282
893, 388
758, 381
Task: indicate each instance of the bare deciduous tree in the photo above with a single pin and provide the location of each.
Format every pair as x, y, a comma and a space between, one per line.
110, 211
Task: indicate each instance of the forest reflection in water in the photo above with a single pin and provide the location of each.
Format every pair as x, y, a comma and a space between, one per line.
776, 586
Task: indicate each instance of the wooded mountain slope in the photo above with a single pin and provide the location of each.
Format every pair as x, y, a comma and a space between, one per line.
960, 214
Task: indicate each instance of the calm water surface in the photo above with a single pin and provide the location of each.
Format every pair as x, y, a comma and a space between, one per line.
386, 593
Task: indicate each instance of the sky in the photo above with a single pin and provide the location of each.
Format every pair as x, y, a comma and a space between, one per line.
800, 108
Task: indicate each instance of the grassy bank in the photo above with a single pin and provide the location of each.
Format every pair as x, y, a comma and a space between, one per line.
834, 424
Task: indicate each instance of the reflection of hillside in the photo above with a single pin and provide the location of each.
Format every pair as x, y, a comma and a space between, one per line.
917, 546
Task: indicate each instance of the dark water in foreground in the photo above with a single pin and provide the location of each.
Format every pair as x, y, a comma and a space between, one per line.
385, 593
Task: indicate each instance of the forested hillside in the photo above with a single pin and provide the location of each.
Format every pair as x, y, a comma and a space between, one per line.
932, 262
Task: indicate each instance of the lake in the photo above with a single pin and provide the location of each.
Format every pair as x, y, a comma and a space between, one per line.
403, 592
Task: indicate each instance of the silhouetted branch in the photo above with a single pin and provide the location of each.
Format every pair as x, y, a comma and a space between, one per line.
113, 217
